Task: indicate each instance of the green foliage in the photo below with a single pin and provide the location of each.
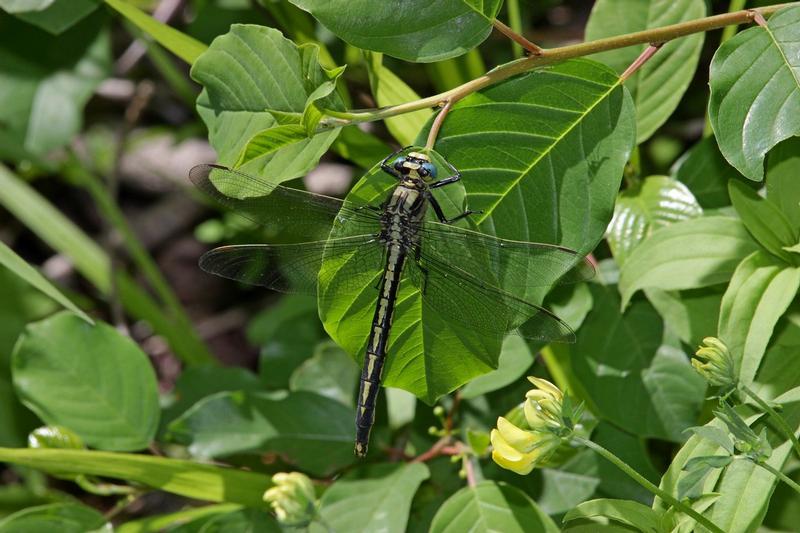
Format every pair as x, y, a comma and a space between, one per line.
752, 109
553, 147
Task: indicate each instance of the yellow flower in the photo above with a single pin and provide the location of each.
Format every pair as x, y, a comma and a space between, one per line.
292, 498
713, 361
518, 450
543, 407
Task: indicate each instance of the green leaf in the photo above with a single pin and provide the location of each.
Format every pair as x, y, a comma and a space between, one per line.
658, 86
55, 437
706, 172
184, 478
755, 91
330, 372
714, 434
21, 6
655, 203
417, 30
17, 265
759, 292
380, 502
694, 253
634, 381
783, 185
515, 359
491, 506
297, 425
271, 140
61, 517
633, 514
39, 85
389, 89
242, 521
248, 74
91, 379
191, 516
697, 469
185, 47
58, 15
763, 219
536, 190
690, 314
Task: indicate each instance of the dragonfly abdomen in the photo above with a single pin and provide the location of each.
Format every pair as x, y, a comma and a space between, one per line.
376, 346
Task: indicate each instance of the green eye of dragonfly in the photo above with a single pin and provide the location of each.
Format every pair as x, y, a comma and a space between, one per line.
468, 278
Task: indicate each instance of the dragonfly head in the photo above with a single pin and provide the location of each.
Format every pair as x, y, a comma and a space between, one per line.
416, 165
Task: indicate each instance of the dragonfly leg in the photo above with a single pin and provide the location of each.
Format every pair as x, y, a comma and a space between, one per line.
446, 181
440, 214
386, 167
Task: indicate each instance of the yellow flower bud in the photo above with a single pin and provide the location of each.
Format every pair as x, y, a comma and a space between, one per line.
521, 454
713, 361
292, 498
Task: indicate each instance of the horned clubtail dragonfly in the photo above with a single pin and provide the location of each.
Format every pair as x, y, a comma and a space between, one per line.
470, 278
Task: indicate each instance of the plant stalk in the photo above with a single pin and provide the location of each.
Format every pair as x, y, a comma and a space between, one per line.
663, 34
780, 475
777, 418
641, 480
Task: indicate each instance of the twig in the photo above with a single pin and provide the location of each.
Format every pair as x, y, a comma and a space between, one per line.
435, 451
758, 18
663, 34
437, 124
648, 52
534, 49
780, 475
164, 11
469, 468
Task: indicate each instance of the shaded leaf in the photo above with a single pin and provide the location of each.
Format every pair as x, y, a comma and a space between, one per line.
658, 86
763, 219
755, 91
706, 172
491, 506
783, 185
697, 468
330, 372
91, 379
58, 15
515, 359
691, 314
414, 30
694, 253
296, 425
714, 434
759, 292
656, 202
242, 521
61, 517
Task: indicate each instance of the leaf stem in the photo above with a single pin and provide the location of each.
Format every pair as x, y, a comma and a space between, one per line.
641, 480
780, 475
549, 57
778, 419
437, 125
533, 48
641, 60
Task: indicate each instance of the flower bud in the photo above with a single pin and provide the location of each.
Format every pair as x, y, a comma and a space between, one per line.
713, 361
292, 498
518, 450
543, 408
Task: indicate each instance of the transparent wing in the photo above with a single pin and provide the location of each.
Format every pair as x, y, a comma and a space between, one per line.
463, 298
295, 268
515, 266
304, 215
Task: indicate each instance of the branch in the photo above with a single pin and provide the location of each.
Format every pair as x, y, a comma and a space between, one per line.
517, 38
663, 34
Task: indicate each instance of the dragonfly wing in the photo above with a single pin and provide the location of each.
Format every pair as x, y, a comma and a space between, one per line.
516, 266
294, 268
460, 297
310, 215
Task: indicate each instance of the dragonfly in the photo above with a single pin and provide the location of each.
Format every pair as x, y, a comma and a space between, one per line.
469, 278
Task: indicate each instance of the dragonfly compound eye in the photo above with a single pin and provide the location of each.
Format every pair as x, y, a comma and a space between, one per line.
429, 169
398, 164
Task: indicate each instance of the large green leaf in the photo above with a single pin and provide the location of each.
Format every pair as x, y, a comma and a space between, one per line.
691, 314
91, 379
690, 254
658, 86
759, 293
642, 209
532, 160
297, 425
489, 507
330, 372
755, 91
57, 16
61, 517
21, 6
764, 220
18, 266
379, 502
414, 30
251, 74
185, 478
783, 185
515, 359
634, 381
632, 514
49, 77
